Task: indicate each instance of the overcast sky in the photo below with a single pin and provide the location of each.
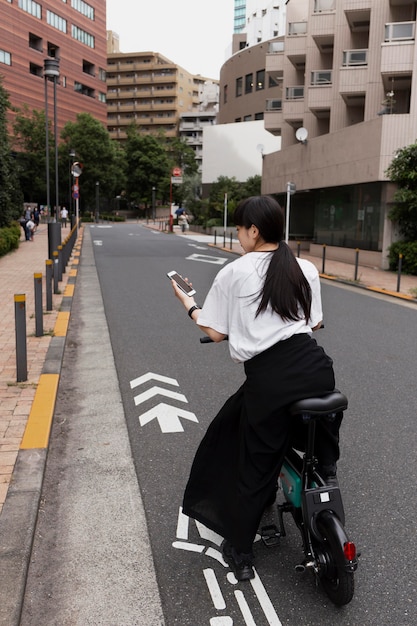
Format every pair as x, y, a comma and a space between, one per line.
194, 34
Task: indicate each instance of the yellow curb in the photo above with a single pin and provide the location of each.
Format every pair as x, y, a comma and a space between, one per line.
39, 421
75, 261
69, 291
61, 324
397, 294
72, 273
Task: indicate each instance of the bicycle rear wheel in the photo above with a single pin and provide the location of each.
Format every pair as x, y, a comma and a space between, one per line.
336, 575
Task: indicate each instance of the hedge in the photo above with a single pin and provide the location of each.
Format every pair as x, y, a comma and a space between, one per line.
9, 238
409, 261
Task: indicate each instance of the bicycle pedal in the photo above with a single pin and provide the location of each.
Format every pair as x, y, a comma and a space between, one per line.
270, 536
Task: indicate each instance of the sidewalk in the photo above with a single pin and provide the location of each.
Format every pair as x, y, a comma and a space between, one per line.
17, 271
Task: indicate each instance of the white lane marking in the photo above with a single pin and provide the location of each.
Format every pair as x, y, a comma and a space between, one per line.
97, 242
225, 620
190, 547
183, 524
214, 589
210, 535
155, 391
215, 554
168, 417
265, 602
150, 376
205, 258
244, 607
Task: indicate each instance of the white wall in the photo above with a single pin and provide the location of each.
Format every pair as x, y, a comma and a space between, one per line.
233, 150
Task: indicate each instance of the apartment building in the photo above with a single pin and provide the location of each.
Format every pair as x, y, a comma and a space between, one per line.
349, 74
71, 32
340, 89
150, 90
193, 123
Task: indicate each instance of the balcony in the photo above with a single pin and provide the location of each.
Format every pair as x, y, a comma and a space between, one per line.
400, 31
355, 58
297, 28
321, 77
321, 6
294, 93
273, 104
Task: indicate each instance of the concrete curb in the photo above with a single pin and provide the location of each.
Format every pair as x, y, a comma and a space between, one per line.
20, 510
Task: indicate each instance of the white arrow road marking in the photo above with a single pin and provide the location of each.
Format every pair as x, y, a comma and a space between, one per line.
214, 589
155, 391
210, 535
205, 258
183, 524
149, 376
168, 417
97, 242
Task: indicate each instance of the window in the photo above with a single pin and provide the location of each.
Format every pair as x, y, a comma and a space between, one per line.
56, 21
259, 116
36, 70
248, 83
5, 57
31, 7
239, 82
83, 89
82, 36
355, 57
323, 77
260, 80
225, 94
399, 31
35, 42
102, 74
247, 118
88, 68
52, 50
83, 8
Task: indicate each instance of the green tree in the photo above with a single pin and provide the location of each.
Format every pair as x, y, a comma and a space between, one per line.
403, 171
11, 198
29, 140
102, 160
148, 166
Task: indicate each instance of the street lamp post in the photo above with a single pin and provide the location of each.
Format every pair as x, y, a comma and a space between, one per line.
97, 201
51, 72
153, 203
71, 156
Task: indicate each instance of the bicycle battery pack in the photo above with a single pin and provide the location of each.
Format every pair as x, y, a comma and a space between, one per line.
320, 499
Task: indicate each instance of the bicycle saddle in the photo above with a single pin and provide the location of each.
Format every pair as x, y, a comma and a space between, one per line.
334, 402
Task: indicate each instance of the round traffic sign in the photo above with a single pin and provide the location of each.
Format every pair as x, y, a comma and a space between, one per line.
177, 171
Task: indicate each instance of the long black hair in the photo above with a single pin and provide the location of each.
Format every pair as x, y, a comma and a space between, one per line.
285, 289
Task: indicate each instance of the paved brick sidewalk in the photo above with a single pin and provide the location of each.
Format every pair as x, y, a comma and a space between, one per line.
17, 271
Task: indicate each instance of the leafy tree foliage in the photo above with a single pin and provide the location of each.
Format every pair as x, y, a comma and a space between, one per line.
11, 199
148, 166
403, 171
101, 158
29, 139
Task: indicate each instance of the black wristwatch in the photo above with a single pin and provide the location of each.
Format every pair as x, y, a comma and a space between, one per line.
192, 309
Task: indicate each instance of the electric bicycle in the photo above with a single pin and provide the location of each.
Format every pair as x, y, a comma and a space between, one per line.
316, 507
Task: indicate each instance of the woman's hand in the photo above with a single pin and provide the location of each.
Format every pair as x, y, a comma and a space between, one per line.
187, 301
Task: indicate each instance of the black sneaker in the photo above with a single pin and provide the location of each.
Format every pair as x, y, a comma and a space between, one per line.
241, 564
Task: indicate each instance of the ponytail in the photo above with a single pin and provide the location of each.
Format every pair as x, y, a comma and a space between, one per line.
286, 289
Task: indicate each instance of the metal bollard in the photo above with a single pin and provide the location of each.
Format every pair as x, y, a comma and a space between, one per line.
356, 263
324, 258
38, 305
224, 239
231, 241
400, 265
56, 270
215, 237
298, 248
60, 263
20, 328
48, 283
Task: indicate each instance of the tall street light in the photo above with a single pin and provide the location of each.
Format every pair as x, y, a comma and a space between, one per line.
71, 156
51, 72
97, 201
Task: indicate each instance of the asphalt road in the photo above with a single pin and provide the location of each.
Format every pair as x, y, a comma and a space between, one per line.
372, 340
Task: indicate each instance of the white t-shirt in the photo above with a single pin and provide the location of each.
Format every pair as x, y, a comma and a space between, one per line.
232, 302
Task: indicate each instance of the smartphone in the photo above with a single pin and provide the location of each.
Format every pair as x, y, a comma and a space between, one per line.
186, 288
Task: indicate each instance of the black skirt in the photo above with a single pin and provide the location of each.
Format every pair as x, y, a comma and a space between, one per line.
237, 463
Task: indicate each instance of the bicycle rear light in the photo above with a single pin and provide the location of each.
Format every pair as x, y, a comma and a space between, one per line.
349, 550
